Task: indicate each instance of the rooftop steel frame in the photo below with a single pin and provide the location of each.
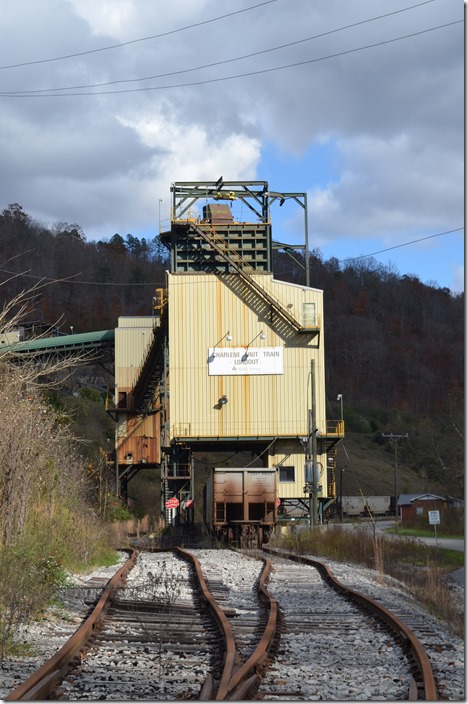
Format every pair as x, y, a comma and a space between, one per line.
255, 195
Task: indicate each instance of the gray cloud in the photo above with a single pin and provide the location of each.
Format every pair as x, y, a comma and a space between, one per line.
394, 113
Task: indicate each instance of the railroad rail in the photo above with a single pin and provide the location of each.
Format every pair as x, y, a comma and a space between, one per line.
239, 644
42, 682
426, 688
234, 678
238, 678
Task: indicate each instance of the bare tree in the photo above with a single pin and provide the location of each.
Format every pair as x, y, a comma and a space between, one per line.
33, 443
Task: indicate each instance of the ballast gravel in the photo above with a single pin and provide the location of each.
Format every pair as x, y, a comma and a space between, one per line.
236, 575
47, 636
134, 662
314, 664
445, 650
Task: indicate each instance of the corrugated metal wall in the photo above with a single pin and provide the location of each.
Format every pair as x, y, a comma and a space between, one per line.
291, 453
132, 340
203, 310
137, 438
138, 321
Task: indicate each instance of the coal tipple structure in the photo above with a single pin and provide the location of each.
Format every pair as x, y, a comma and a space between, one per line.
231, 360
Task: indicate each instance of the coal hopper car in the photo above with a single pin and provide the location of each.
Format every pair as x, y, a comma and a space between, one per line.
240, 505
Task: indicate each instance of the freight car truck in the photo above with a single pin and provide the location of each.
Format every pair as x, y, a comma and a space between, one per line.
240, 505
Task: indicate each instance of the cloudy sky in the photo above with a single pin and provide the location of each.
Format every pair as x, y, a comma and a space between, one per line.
358, 103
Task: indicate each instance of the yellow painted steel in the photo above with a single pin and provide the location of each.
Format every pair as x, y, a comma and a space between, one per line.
204, 311
223, 312
138, 321
137, 438
290, 453
132, 340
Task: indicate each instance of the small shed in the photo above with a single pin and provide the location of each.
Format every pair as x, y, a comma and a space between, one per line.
217, 214
412, 506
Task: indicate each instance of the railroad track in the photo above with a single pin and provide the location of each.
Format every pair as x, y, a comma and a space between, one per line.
219, 625
162, 635
365, 648
157, 641
334, 643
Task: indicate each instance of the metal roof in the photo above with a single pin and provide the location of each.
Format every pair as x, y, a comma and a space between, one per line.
79, 341
406, 499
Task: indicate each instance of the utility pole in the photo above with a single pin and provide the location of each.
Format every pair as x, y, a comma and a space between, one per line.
341, 493
306, 223
395, 439
313, 450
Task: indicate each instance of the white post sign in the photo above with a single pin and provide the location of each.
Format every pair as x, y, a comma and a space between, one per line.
229, 361
434, 520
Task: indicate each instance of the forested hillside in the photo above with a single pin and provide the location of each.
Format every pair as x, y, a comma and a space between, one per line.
87, 284
394, 346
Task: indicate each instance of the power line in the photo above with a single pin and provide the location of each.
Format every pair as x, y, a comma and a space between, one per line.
135, 41
366, 256
156, 283
397, 246
239, 75
227, 61
71, 280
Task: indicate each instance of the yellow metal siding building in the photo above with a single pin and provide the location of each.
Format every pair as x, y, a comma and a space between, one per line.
137, 436
217, 325
234, 360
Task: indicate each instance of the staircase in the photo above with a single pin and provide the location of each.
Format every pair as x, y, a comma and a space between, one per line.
243, 268
152, 370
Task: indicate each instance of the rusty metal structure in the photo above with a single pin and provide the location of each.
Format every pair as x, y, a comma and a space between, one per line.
239, 677
42, 682
245, 355
240, 505
133, 404
425, 689
233, 359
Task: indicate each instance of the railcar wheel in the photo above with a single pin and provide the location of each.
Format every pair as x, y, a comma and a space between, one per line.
259, 536
245, 537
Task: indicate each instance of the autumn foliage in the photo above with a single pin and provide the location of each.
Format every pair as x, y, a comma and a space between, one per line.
394, 346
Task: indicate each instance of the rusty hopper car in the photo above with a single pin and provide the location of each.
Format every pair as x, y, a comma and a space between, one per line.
240, 505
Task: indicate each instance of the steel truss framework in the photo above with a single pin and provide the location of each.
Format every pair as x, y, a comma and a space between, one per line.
255, 195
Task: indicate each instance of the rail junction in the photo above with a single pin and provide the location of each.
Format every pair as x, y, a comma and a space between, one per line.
230, 360
177, 631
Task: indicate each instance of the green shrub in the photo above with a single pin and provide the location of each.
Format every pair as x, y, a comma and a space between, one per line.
116, 511
28, 582
75, 539
357, 423
90, 394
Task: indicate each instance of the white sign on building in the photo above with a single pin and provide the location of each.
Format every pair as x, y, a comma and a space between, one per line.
225, 361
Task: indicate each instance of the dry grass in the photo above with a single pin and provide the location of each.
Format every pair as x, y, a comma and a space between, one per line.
419, 567
47, 520
134, 527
